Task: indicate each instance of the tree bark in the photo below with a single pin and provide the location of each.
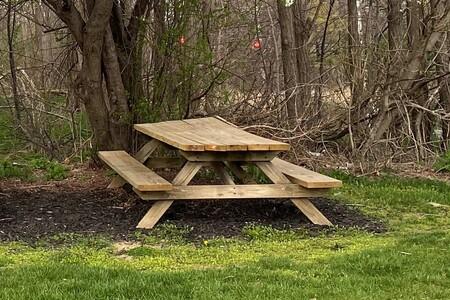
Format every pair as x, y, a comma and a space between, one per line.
403, 80
10, 28
395, 40
107, 91
302, 32
288, 57
354, 54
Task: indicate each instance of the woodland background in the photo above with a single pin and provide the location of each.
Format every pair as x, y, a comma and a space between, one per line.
360, 81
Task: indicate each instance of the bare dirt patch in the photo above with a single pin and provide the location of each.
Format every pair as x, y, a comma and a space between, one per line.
31, 212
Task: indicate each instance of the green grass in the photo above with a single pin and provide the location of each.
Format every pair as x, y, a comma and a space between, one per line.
410, 261
442, 164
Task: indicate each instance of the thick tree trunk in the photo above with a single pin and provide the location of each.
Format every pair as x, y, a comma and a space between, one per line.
119, 113
288, 57
302, 32
161, 60
102, 85
91, 77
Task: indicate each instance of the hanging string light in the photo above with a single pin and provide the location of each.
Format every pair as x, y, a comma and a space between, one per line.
256, 44
182, 40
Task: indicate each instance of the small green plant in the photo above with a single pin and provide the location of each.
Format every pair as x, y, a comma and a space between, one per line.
443, 163
56, 171
10, 169
53, 170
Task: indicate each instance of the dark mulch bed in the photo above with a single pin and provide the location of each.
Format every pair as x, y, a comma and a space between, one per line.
28, 213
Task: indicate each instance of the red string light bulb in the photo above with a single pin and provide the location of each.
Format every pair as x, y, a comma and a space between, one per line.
256, 44
182, 40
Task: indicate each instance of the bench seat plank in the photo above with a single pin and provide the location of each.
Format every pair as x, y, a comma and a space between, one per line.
135, 173
304, 177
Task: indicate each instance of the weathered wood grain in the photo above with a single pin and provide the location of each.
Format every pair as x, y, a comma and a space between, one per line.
221, 192
135, 173
305, 177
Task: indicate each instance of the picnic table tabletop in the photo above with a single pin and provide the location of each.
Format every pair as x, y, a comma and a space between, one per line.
208, 134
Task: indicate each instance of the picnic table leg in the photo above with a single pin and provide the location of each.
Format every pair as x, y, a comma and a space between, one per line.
240, 173
142, 155
219, 167
305, 206
160, 207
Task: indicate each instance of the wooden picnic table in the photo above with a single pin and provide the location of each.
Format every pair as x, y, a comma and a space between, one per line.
215, 143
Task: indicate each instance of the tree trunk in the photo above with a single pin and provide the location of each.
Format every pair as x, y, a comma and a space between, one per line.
288, 57
354, 54
443, 69
10, 28
386, 113
302, 32
421, 126
91, 77
107, 92
119, 113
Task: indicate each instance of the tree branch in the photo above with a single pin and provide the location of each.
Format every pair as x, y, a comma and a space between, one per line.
69, 14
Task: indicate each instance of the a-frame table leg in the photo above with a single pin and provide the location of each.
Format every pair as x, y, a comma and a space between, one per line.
160, 207
142, 155
219, 167
239, 172
305, 206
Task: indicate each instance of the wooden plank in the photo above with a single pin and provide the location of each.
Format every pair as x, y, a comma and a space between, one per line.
173, 139
225, 121
240, 173
208, 134
154, 214
305, 177
273, 173
217, 133
229, 156
220, 192
135, 173
255, 142
142, 155
219, 167
309, 210
305, 206
160, 207
199, 134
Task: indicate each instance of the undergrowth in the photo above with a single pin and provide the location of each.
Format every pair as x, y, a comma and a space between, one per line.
31, 169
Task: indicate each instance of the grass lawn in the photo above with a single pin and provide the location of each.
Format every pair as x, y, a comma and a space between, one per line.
410, 261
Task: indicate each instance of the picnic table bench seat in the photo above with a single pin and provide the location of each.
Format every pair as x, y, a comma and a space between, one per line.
135, 173
304, 177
